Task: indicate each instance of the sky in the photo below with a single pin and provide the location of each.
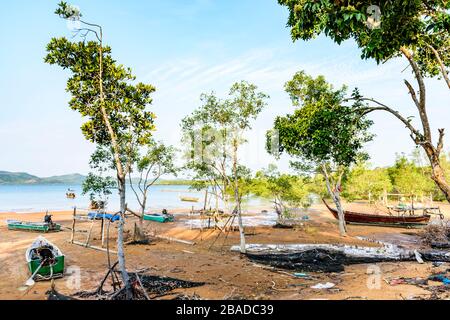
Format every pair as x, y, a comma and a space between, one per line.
183, 48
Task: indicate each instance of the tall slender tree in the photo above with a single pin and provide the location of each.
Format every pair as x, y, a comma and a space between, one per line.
114, 107
206, 136
215, 133
245, 104
156, 160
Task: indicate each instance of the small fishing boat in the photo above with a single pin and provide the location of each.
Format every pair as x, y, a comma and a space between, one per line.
45, 260
189, 199
378, 219
161, 218
70, 194
33, 226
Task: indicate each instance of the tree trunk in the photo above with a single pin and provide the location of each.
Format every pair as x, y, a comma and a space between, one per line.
342, 224
278, 211
139, 234
120, 247
121, 175
425, 142
237, 198
437, 174
335, 195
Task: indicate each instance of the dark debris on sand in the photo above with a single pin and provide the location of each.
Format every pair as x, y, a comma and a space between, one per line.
161, 285
154, 286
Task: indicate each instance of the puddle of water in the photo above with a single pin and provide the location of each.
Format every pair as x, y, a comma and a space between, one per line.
404, 240
249, 219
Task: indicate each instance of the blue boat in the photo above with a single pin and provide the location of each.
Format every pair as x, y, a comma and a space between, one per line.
161, 218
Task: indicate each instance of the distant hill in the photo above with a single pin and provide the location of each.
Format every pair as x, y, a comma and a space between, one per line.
17, 178
72, 179
75, 178
26, 178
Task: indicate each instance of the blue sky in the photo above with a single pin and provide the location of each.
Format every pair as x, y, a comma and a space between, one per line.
184, 48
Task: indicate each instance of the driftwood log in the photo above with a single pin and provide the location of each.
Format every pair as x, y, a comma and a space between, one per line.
332, 258
440, 245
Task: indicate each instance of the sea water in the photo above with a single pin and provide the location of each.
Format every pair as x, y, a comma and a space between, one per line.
52, 197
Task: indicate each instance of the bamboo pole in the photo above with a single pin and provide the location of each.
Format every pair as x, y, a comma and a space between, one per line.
206, 198
103, 232
78, 243
175, 240
90, 231
73, 224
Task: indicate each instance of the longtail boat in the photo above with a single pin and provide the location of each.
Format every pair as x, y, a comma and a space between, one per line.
71, 195
189, 199
378, 219
33, 226
45, 260
161, 218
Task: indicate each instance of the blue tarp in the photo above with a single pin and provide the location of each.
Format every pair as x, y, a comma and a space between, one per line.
98, 216
441, 278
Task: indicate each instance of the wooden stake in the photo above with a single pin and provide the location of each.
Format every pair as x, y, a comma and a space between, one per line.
103, 232
176, 240
206, 198
90, 231
92, 247
73, 224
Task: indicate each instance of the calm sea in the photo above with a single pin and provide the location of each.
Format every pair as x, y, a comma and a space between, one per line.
33, 198
37, 198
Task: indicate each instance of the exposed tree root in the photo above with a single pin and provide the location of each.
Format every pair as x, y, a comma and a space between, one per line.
144, 287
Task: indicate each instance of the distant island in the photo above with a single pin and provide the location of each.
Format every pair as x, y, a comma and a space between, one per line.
22, 178
26, 178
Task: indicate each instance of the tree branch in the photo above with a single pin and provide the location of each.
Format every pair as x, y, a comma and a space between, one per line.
440, 144
421, 102
441, 65
413, 93
93, 31
132, 212
383, 107
132, 188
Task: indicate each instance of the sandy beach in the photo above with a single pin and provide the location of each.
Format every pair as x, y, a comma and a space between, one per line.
227, 275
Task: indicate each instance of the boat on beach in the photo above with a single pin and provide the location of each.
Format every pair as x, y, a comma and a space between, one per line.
45, 260
381, 220
33, 226
161, 218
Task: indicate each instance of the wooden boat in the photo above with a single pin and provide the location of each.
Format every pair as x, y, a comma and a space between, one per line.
45, 260
161, 218
377, 219
33, 226
189, 199
70, 195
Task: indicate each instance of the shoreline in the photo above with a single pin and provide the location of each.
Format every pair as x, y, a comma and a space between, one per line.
226, 274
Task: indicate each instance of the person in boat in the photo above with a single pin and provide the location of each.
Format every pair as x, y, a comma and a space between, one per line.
45, 254
70, 194
166, 214
48, 219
